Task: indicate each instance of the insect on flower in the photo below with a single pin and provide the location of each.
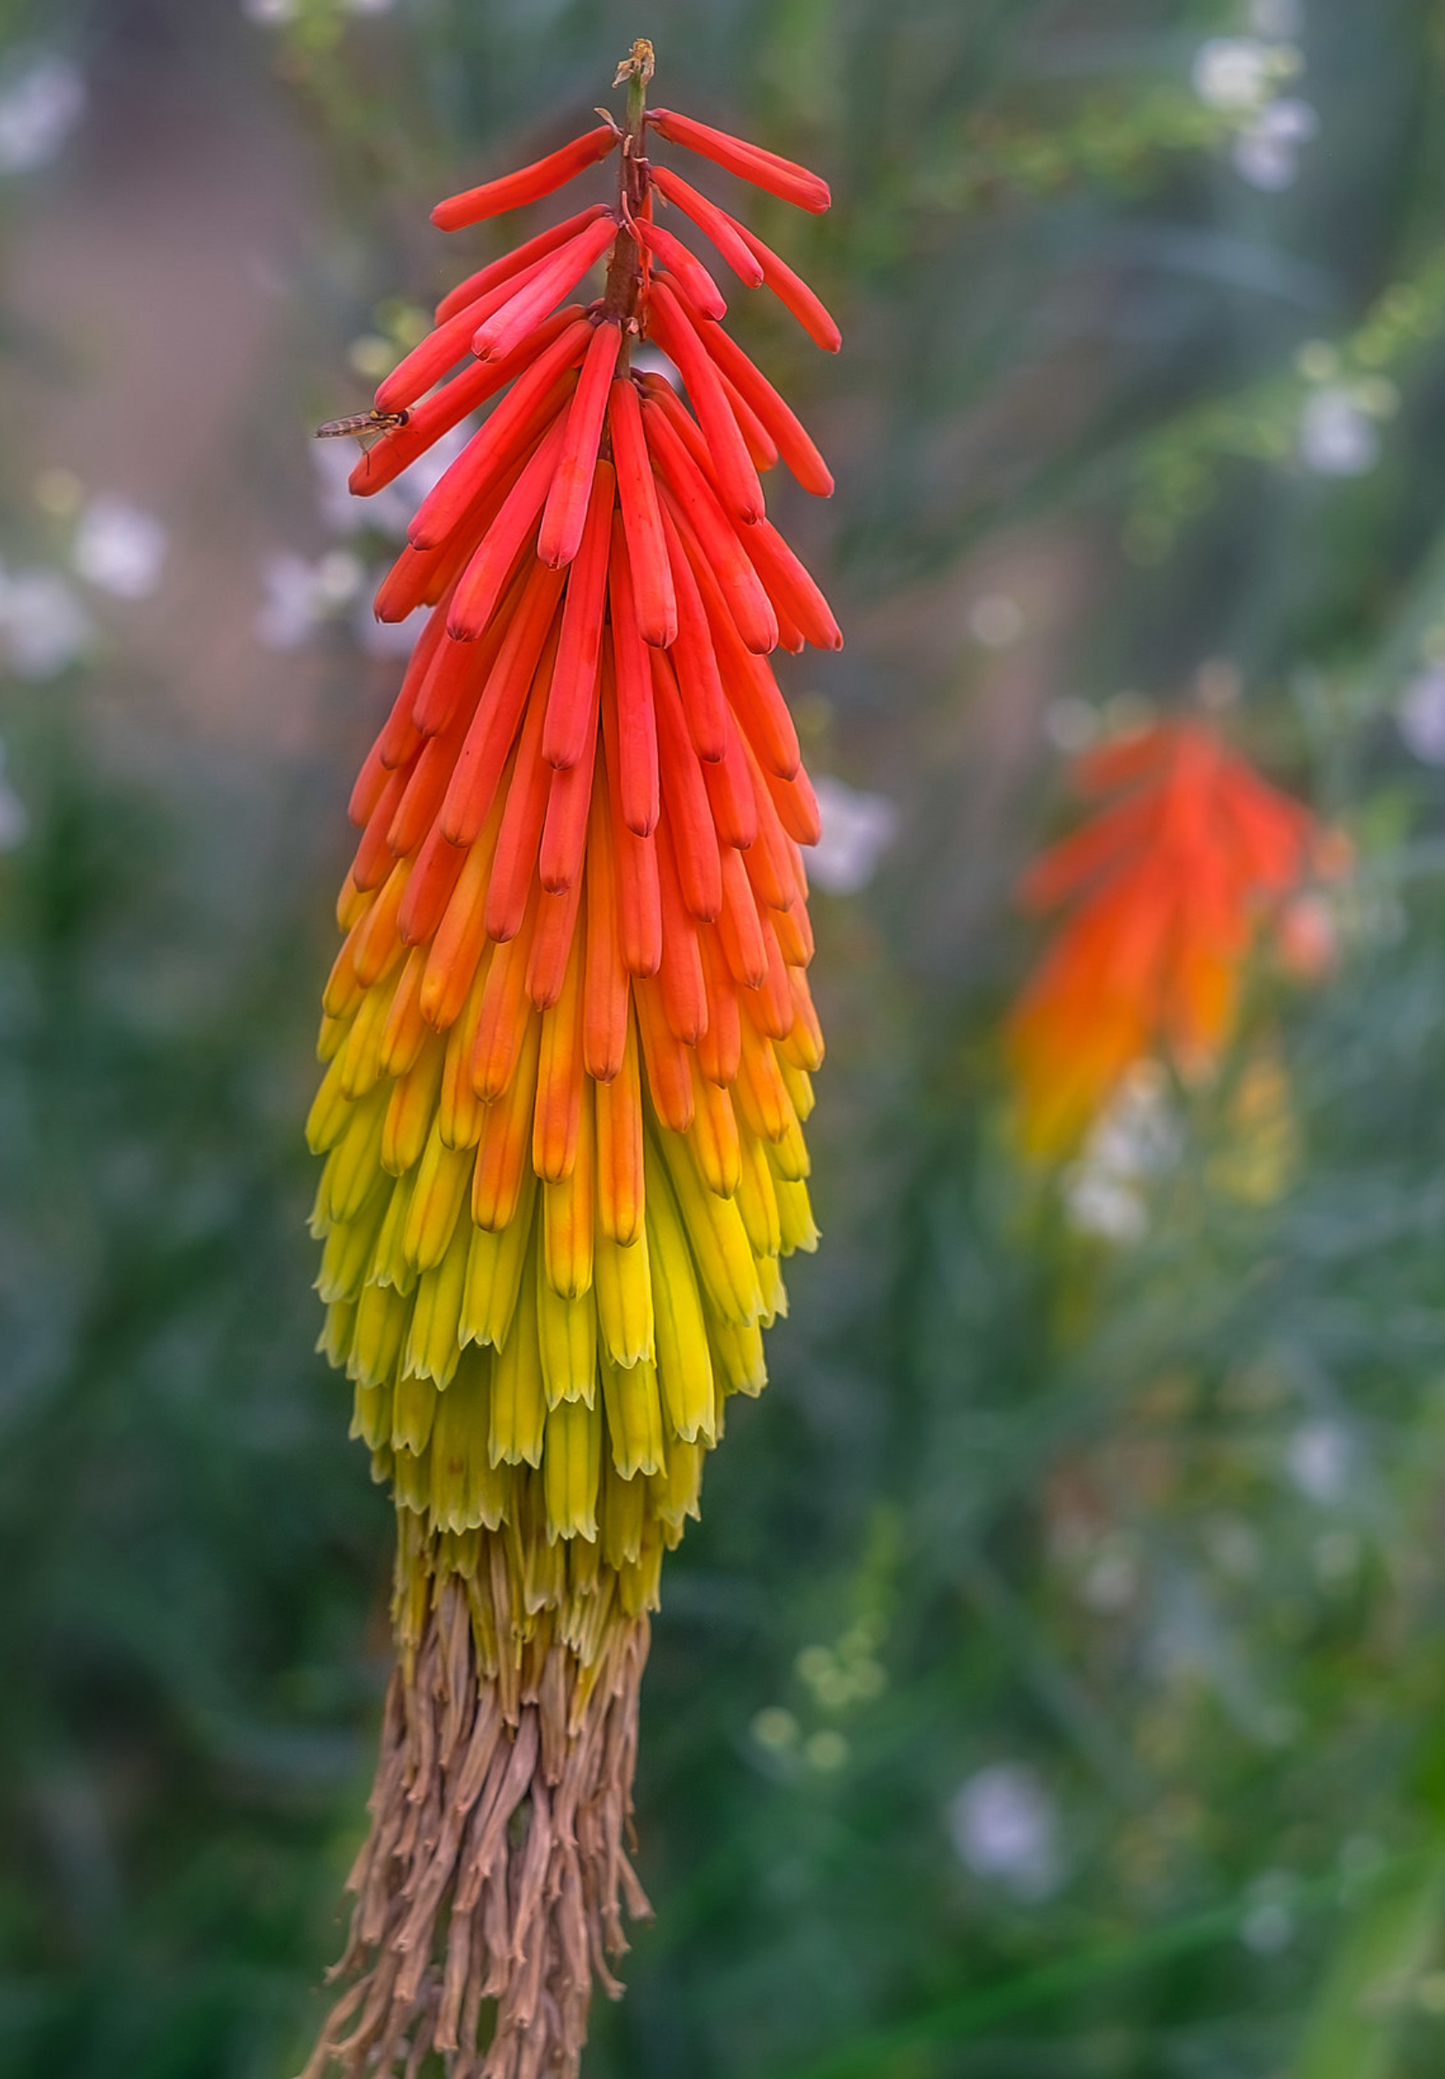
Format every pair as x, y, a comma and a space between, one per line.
569, 1045
362, 425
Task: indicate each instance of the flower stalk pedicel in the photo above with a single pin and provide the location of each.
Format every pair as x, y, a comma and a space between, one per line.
568, 1042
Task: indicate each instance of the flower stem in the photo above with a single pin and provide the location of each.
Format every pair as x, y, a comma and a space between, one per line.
624, 272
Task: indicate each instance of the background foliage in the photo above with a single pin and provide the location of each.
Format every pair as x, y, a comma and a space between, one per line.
1054, 1686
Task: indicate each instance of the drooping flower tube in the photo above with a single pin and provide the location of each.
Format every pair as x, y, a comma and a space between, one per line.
569, 1043
1165, 892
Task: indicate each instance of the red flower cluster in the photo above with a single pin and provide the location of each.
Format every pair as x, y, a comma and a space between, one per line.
570, 1044
607, 589
1165, 889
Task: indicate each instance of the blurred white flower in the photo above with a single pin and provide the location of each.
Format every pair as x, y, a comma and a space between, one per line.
1136, 1138
42, 622
120, 548
996, 621
1003, 1825
1268, 1928
270, 10
1218, 684
41, 101
826, 1751
1071, 724
1268, 1925
14, 816
1111, 1580
776, 1728
338, 577
289, 613
1337, 436
1266, 151
1243, 77
1138, 1135
1318, 1458
1234, 72
1103, 1205
1420, 715
301, 595
857, 829
391, 510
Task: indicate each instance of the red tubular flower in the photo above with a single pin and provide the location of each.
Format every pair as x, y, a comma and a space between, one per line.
512, 264
529, 183
795, 295
535, 293
567, 501
650, 576
1165, 891
764, 169
671, 253
725, 233
569, 1044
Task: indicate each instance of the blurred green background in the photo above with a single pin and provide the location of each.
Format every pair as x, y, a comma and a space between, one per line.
1056, 1684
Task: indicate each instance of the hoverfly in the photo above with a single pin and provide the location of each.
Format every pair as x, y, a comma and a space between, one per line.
362, 425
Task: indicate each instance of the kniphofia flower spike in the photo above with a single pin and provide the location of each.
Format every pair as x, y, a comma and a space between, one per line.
569, 1041
1165, 890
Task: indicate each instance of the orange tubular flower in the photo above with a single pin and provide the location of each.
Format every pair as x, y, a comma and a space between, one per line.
1165, 890
569, 1044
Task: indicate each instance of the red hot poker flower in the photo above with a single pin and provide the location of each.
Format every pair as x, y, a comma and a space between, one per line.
529, 183
1164, 892
764, 169
570, 1044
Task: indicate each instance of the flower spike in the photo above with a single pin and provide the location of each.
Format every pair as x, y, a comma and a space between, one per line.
568, 1042
1165, 892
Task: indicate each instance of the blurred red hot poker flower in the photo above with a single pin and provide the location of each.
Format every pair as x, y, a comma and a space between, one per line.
569, 1043
1164, 891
